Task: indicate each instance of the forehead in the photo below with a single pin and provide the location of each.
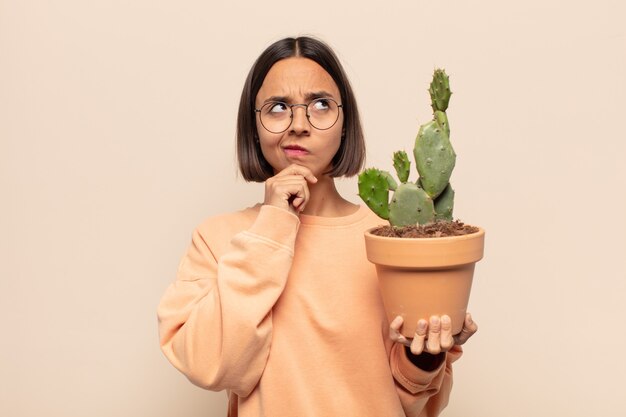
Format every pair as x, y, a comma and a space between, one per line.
295, 78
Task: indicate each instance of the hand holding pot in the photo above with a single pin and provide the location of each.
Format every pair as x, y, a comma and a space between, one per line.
433, 336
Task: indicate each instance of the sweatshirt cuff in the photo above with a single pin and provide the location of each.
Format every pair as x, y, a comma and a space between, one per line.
276, 224
412, 378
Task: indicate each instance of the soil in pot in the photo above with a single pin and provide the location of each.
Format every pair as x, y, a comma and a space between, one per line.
436, 229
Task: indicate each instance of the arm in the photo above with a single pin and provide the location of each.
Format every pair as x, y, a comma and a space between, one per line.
422, 393
422, 367
215, 320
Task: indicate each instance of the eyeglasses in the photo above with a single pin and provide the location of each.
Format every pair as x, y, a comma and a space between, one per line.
276, 116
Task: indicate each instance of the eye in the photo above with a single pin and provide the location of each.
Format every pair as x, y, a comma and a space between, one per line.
277, 107
321, 104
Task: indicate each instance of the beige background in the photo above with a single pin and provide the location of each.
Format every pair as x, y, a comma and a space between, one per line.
116, 138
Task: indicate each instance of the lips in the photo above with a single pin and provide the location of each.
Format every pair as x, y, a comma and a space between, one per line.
295, 150
294, 147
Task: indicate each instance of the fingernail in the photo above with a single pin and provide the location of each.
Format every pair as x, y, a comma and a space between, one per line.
469, 318
445, 320
421, 325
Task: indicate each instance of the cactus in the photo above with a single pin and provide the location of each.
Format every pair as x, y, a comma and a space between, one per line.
431, 197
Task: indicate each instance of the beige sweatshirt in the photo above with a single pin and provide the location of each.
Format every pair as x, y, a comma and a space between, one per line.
284, 313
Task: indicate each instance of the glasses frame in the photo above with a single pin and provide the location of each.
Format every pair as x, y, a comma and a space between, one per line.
306, 109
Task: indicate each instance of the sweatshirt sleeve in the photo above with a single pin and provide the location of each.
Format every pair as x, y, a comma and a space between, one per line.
423, 394
215, 320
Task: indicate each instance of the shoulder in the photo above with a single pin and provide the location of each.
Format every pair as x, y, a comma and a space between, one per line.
228, 224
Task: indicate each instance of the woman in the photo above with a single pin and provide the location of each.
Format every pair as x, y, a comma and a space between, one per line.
277, 304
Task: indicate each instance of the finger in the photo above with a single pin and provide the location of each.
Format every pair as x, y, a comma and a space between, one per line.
447, 341
419, 340
394, 331
297, 197
286, 179
307, 196
311, 178
301, 197
434, 335
298, 203
469, 328
295, 169
397, 323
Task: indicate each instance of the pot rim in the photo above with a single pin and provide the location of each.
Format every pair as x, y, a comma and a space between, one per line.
437, 252
474, 235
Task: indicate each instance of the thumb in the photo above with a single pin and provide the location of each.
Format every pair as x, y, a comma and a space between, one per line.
469, 328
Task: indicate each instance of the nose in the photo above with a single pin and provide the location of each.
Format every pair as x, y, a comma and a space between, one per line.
300, 123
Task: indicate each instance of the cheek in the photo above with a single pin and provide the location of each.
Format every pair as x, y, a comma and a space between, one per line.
338, 133
333, 145
266, 139
268, 143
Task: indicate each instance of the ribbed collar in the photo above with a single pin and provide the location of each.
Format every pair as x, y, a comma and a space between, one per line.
360, 214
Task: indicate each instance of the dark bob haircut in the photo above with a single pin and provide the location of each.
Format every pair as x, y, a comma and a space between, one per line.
350, 157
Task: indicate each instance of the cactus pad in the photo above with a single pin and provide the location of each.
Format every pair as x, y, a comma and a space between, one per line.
440, 91
391, 182
444, 204
402, 165
410, 205
374, 191
434, 158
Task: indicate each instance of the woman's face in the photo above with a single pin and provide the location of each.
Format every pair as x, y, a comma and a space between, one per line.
293, 81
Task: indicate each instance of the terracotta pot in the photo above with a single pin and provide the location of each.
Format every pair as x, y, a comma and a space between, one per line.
421, 277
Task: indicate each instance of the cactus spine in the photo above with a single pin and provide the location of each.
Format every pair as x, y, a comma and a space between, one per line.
431, 197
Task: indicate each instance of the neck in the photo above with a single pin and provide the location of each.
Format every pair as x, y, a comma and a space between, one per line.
325, 200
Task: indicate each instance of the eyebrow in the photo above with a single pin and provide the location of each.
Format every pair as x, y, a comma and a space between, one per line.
307, 97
